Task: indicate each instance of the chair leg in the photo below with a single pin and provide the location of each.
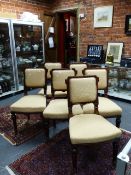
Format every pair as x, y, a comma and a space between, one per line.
118, 121
46, 124
54, 123
28, 117
74, 159
13, 116
115, 151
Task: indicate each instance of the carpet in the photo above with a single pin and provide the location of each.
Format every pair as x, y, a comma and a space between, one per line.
54, 158
26, 129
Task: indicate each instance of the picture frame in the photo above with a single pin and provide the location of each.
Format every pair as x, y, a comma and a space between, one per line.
115, 49
128, 25
103, 16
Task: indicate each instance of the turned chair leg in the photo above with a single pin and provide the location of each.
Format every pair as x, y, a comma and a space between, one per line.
13, 116
54, 123
46, 124
118, 122
115, 151
28, 117
74, 159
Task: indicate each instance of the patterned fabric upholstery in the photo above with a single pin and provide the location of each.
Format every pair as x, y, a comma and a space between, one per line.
78, 67
49, 94
106, 108
29, 103
59, 77
91, 128
50, 66
83, 90
101, 73
35, 77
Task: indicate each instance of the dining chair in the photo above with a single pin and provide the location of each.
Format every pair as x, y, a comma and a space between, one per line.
30, 104
57, 109
88, 129
79, 67
107, 107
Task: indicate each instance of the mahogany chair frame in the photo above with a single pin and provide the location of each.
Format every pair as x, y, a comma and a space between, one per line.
26, 90
74, 147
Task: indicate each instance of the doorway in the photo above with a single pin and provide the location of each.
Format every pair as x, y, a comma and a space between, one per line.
65, 37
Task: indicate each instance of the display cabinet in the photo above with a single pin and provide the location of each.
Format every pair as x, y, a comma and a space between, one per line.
7, 72
120, 82
21, 46
28, 46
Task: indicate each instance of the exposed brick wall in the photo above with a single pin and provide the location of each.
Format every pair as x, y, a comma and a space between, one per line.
89, 35
19, 6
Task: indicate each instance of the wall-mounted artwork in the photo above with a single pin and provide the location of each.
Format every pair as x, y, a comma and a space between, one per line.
103, 16
128, 25
115, 49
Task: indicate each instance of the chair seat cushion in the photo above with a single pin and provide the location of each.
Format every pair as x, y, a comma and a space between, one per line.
49, 94
91, 128
29, 103
106, 107
56, 109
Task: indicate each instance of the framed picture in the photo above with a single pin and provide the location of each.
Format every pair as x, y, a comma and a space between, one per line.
128, 25
103, 16
114, 49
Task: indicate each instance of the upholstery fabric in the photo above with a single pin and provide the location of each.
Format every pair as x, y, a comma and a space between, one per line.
59, 78
35, 77
91, 128
106, 108
57, 93
29, 103
56, 109
101, 73
50, 66
78, 68
83, 90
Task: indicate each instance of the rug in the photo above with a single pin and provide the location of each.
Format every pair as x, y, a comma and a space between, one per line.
26, 128
54, 158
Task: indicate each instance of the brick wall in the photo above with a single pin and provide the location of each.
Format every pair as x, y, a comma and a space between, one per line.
89, 35
17, 7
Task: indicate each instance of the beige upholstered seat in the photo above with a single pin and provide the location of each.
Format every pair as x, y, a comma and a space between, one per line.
107, 107
88, 128
79, 67
58, 108
33, 78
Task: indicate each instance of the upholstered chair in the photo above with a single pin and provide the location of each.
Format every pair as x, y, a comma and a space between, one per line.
29, 104
107, 107
49, 66
79, 67
57, 109
90, 129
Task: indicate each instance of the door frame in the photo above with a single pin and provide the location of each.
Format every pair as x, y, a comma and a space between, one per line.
77, 9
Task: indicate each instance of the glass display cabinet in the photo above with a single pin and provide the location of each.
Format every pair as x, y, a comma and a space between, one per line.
7, 71
28, 46
120, 82
21, 46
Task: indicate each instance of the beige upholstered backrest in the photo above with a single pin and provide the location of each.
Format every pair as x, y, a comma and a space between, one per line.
82, 89
50, 66
35, 77
58, 78
101, 73
79, 67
